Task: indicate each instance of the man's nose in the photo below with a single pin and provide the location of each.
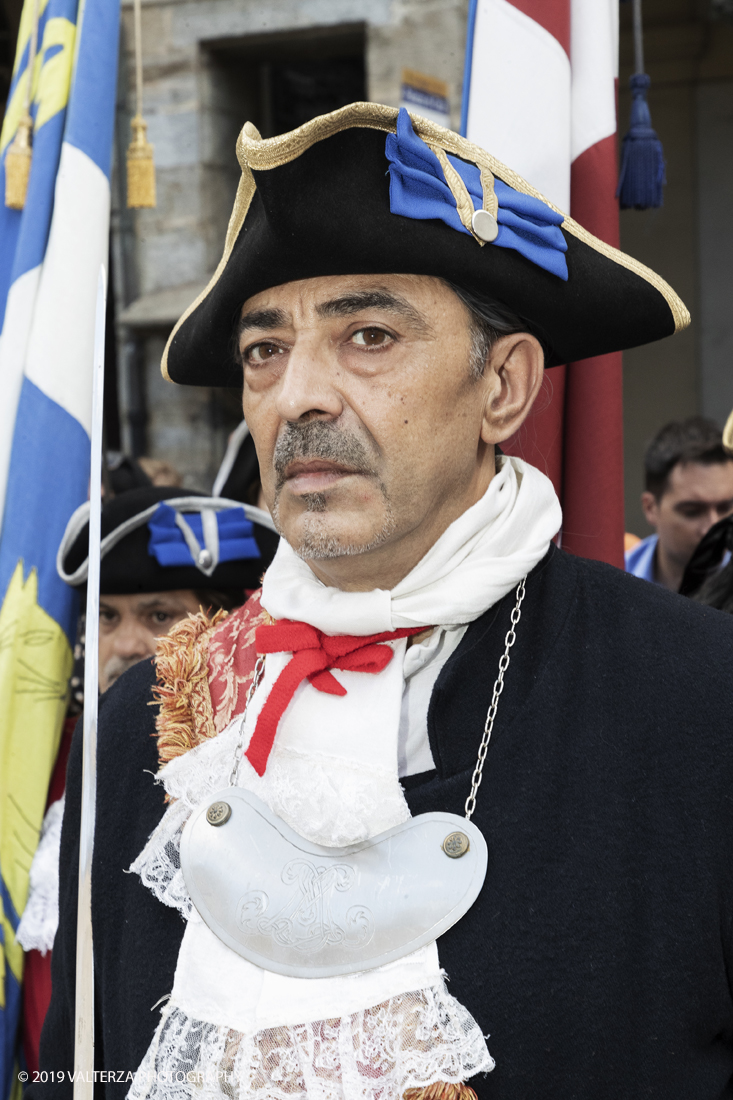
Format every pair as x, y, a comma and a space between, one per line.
132, 640
308, 382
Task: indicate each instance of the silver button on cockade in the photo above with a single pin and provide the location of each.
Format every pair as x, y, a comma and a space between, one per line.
484, 225
204, 559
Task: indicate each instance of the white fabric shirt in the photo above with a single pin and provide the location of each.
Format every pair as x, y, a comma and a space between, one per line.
424, 662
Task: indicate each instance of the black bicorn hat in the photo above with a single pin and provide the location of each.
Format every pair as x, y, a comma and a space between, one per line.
163, 539
370, 190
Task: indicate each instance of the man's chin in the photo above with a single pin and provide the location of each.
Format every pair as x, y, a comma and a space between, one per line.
319, 536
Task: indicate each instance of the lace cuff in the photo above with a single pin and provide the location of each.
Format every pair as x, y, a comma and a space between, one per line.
410, 1041
37, 929
159, 863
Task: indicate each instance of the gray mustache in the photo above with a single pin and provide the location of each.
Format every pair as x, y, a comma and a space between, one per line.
319, 439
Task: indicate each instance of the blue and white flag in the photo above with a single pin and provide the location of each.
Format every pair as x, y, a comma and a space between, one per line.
50, 254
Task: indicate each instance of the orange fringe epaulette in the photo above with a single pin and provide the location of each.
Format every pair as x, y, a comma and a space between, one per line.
186, 715
441, 1090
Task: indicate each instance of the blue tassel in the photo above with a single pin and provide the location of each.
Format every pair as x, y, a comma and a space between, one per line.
642, 175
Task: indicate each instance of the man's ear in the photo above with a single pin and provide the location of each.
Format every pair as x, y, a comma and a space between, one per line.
513, 377
650, 507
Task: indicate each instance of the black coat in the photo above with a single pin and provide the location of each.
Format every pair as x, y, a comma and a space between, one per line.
598, 955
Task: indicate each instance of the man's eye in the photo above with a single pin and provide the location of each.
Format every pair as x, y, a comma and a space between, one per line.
160, 618
371, 338
260, 353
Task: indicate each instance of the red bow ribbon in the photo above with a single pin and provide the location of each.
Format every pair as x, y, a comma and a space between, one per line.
314, 653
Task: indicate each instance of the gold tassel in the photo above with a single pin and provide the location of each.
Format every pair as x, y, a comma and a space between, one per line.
140, 167
441, 1090
20, 151
140, 164
18, 164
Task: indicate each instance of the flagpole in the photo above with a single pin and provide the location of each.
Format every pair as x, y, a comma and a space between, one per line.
84, 1014
468, 65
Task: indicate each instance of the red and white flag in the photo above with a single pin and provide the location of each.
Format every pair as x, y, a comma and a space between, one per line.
540, 95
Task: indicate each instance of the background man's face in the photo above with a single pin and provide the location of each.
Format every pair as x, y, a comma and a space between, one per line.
366, 416
129, 627
696, 497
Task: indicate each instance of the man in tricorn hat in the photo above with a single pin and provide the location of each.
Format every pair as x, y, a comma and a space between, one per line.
149, 580
449, 812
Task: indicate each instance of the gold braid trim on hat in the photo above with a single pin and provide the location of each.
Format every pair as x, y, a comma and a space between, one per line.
186, 716
491, 203
464, 203
257, 154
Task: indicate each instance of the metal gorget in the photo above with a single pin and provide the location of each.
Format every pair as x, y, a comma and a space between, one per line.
309, 911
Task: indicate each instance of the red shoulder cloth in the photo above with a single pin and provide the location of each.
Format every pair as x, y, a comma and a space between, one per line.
204, 666
232, 656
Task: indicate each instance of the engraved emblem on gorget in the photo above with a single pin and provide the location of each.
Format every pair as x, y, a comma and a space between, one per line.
310, 919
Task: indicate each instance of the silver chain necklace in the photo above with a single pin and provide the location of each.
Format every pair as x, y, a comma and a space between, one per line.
509, 641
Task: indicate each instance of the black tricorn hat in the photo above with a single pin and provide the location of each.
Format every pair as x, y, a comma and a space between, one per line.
163, 539
707, 558
317, 202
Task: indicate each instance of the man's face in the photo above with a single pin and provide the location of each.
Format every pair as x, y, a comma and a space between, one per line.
372, 432
129, 627
697, 496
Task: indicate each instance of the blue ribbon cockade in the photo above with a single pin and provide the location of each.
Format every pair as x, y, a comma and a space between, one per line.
417, 189
168, 546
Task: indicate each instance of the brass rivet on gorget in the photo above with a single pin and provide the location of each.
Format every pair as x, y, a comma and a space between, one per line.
219, 812
455, 845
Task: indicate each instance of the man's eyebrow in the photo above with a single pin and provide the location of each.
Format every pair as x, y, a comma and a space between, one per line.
263, 319
165, 603
344, 306
360, 300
